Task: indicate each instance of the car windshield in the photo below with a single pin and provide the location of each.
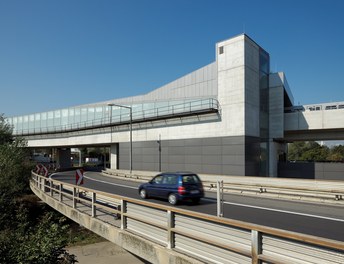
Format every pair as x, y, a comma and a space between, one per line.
190, 179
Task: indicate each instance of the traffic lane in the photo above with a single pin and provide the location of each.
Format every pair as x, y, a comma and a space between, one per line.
130, 189
325, 228
296, 223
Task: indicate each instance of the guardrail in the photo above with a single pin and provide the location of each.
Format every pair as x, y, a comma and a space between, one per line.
295, 189
202, 237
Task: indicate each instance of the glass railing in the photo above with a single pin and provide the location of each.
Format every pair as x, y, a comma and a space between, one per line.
164, 111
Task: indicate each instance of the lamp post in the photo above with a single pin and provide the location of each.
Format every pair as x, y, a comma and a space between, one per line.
159, 142
130, 129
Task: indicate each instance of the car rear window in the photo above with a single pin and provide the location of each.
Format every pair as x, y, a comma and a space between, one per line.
190, 179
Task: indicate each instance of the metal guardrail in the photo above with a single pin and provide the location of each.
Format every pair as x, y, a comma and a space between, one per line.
205, 238
303, 189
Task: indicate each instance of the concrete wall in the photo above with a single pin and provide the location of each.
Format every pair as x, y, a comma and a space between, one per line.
224, 155
311, 170
329, 171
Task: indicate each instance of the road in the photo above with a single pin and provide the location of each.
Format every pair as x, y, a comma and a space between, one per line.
308, 218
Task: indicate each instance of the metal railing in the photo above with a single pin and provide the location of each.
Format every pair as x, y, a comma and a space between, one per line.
200, 236
201, 106
302, 189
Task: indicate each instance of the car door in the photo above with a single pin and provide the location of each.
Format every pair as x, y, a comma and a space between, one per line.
153, 189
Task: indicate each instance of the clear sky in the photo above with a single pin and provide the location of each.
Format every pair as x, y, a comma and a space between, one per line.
60, 53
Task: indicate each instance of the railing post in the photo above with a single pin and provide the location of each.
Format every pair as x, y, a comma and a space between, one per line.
219, 198
256, 246
39, 182
51, 188
123, 216
170, 233
94, 197
74, 196
60, 194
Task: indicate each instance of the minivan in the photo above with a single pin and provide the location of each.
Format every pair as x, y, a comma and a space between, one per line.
173, 186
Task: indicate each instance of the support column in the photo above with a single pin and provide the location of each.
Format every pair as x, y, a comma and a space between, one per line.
114, 156
63, 157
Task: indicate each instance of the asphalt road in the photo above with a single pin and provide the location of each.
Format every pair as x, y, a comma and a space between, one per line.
308, 218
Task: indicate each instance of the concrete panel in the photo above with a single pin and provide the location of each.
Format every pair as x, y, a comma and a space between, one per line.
211, 150
238, 149
209, 160
193, 159
233, 170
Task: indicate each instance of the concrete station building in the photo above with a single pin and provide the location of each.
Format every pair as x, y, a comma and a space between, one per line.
226, 118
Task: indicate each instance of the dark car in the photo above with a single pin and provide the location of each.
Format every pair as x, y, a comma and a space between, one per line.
174, 186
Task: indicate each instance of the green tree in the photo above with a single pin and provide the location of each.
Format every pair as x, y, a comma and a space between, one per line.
24, 238
336, 153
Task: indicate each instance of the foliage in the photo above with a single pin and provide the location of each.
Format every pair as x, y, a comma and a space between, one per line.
313, 151
24, 238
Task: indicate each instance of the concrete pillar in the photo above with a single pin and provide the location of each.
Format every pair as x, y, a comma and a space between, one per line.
114, 156
63, 158
277, 153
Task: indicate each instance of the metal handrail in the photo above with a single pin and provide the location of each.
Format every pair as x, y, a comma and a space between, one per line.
50, 186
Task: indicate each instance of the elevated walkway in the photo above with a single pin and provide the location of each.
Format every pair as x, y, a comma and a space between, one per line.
314, 122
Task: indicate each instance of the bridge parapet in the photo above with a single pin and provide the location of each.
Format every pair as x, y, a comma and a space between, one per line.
164, 234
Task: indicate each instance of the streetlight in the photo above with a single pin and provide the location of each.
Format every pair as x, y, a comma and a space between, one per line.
131, 131
159, 142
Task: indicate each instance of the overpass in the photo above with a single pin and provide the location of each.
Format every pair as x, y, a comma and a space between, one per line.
314, 122
165, 234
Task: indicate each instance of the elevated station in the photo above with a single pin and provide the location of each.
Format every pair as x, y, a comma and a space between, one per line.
230, 117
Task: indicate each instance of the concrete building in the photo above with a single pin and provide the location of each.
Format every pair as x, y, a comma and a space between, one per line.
220, 119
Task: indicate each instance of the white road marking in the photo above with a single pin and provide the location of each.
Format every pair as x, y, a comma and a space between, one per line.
284, 211
120, 185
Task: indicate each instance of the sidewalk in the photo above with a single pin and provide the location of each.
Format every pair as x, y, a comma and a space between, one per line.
103, 253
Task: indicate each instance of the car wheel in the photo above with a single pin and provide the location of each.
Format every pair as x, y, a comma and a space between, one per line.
143, 194
172, 199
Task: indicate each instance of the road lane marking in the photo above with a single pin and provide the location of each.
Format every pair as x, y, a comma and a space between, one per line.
287, 212
116, 184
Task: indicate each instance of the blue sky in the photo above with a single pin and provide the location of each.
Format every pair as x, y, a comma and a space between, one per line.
56, 54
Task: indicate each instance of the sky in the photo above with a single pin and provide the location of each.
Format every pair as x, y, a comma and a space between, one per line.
60, 53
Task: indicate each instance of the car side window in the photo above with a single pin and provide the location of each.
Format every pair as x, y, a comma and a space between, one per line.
157, 179
170, 179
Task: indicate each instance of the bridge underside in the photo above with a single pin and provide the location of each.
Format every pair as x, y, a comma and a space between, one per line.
313, 135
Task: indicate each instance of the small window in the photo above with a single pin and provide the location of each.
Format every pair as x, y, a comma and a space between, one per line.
157, 179
221, 50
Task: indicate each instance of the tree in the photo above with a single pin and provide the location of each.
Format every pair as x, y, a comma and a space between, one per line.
24, 238
313, 151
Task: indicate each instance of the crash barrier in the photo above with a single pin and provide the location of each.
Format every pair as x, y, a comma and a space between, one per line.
199, 237
330, 191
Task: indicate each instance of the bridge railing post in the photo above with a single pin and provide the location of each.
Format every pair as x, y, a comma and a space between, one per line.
74, 197
60, 194
170, 233
123, 216
51, 187
256, 246
94, 208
